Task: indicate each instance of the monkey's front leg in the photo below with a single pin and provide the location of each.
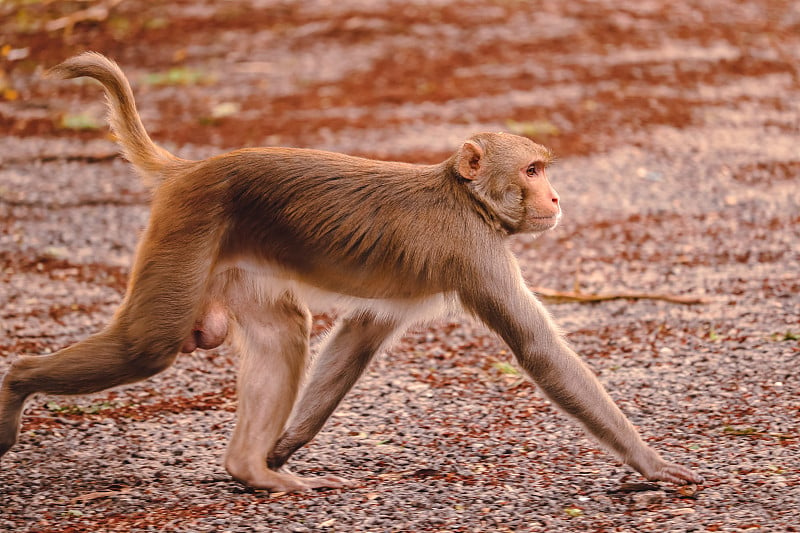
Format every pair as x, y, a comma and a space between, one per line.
350, 347
569, 383
525, 325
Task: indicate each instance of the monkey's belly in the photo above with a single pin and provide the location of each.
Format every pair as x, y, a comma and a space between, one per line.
268, 282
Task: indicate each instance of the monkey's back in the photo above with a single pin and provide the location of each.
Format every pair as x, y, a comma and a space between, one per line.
356, 225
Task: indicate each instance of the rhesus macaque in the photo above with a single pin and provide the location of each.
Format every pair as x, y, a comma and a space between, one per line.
238, 243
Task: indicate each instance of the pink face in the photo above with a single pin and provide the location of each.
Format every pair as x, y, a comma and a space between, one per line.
542, 206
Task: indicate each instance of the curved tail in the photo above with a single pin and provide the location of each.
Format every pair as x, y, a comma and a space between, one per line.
137, 147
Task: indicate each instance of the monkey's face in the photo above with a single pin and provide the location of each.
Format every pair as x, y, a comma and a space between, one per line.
541, 203
507, 174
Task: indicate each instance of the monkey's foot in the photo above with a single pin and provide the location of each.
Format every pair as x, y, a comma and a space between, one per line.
10, 411
326, 482
674, 473
261, 477
318, 482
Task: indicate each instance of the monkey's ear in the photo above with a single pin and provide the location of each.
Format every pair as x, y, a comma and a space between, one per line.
470, 160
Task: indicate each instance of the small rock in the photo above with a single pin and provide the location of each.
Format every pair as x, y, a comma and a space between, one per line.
643, 500
681, 512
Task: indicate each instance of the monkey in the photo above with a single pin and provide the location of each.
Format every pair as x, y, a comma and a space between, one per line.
237, 245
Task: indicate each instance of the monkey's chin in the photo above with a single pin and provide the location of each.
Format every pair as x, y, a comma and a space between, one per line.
539, 225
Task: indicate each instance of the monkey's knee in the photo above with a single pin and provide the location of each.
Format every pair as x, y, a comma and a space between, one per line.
20, 380
297, 319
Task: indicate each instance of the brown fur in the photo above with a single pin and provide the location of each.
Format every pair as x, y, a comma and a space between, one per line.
246, 238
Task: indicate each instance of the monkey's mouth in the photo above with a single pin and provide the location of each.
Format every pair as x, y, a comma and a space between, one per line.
544, 223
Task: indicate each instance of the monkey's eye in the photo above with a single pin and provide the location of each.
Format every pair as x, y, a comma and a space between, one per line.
532, 170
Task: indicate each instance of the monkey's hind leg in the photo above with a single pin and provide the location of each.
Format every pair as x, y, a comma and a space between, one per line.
273, 346
143, 339
99, 362
349, 349
96, 363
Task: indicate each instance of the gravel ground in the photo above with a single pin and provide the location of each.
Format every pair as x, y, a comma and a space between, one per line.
676, 126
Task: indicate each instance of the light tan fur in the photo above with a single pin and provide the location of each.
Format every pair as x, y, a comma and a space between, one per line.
240, 242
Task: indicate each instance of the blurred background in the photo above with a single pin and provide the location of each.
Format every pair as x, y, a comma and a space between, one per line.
676, 126
401, 79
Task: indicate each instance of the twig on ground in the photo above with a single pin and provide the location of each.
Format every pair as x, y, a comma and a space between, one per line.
100, 494
555, 296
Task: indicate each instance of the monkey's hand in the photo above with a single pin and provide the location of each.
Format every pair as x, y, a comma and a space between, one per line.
661, 470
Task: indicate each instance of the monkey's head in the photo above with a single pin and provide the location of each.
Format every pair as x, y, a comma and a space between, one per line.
507, 175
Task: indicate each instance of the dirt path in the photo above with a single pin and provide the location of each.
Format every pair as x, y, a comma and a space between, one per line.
677, 126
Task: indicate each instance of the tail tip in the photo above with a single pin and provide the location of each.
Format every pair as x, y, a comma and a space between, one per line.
76, 66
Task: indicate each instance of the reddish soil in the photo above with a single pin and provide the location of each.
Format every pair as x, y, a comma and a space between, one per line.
676, 125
